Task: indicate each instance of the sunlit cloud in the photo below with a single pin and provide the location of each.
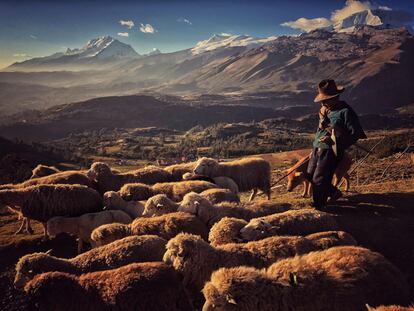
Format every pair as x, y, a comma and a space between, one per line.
147, 28
384, 8
184, 20
351, 7
308, 24
123, 34
127, 23
33, 36
21, 55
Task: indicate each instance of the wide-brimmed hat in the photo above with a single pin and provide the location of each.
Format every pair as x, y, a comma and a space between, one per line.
328, 89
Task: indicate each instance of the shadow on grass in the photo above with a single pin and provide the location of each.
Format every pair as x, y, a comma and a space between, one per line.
383, 222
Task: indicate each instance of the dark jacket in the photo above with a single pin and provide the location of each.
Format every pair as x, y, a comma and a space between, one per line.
345, 121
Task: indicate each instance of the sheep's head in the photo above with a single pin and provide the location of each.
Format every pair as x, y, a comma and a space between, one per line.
328, 239
256, 229
229, 288
158, 205
30, 265
295, 179
98, 170
54, 226
112, 200
186, 251
205, 166
192, 202
135, 191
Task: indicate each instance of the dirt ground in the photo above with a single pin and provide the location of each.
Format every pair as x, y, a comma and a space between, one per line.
378, 212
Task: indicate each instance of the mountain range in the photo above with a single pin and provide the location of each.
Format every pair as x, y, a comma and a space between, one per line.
367, 52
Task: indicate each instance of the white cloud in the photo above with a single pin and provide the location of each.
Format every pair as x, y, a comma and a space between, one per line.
21, 55
33, 36
129, 24
308, 24
123, 34
147, 28
351, 7
384, 8
184, 20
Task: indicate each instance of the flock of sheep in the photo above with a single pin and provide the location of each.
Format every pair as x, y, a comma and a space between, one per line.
192, 244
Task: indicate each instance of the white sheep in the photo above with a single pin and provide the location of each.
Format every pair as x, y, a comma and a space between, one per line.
221, 181
83, 226
112, 201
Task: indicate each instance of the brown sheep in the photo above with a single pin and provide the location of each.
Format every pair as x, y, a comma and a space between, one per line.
226, 231
341, 278
68, 177
195, 259
297, 175
113, 201
178, 170
158, 205
220, 195
390, 308
42, 202
209, 213
293, 222
174, 190
166, 226
248, 173
108, 180
43, 170
138, 286
119, 253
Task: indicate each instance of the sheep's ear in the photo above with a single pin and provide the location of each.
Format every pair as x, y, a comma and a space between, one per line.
48, 252
231, 300
369, 307
297, 174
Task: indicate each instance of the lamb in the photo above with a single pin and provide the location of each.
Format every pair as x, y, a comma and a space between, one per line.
178, 170
82, 226
297, 175
113, 201
195, 259
209, 213
248, 173
166, 226
341, 278
119, 253
42, 202
221, 181
174, 190
137, 286
293, 222
43, 170
107, 180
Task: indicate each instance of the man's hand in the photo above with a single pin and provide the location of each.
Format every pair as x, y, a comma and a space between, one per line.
327, 140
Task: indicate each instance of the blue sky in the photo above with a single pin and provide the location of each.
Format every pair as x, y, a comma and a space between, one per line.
39, 27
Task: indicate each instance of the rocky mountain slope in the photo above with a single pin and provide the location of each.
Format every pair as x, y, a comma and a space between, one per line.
374, 63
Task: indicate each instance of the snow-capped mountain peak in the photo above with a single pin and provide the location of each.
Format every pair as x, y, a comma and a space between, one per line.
373, 17
228, 40
103, 47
